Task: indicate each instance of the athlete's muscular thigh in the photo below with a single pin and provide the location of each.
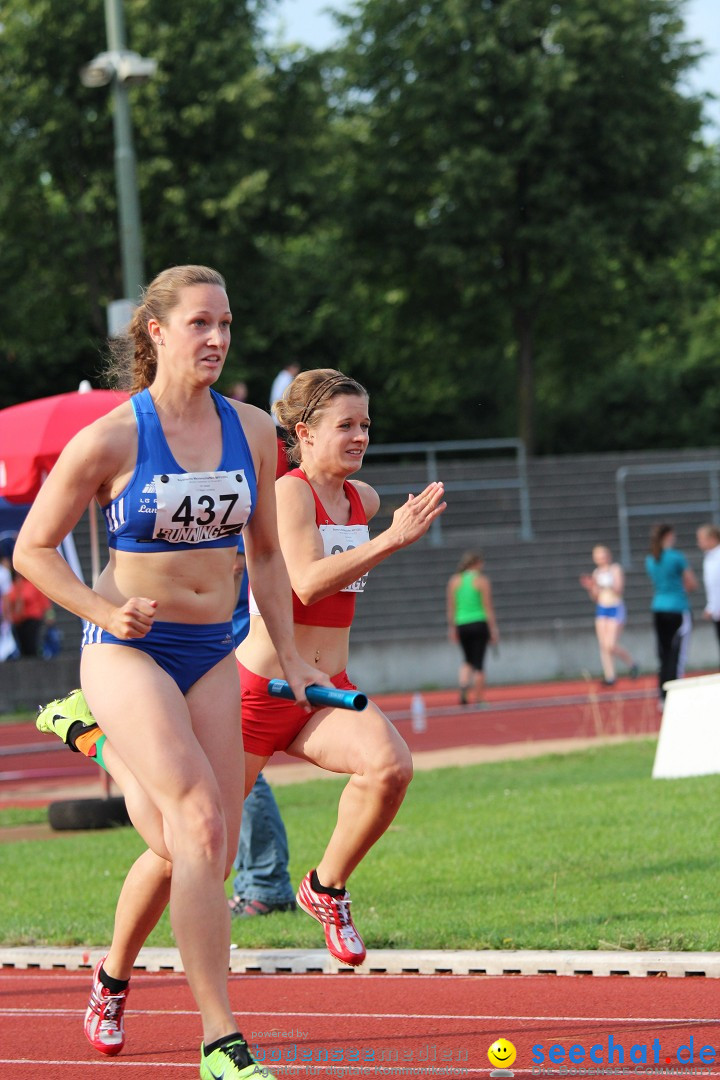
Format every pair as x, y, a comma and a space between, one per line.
214, 704
346, 742
146, 718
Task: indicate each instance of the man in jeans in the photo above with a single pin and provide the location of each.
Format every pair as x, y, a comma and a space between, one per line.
262, 884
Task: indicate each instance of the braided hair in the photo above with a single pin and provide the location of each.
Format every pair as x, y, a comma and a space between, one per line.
307, 397
133, 355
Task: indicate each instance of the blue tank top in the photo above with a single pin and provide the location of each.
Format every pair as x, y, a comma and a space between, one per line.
666, 573
163, 508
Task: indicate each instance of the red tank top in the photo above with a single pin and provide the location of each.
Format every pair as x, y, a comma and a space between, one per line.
337, 610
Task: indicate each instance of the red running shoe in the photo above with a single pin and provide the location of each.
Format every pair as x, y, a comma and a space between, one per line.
341, 937
104, 1016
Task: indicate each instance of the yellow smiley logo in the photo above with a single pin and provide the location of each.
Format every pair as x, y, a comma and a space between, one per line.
501, 1054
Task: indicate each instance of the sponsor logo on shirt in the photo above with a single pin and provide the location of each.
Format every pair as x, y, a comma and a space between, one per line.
197, 534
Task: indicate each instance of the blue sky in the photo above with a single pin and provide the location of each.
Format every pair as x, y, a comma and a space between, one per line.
306, 21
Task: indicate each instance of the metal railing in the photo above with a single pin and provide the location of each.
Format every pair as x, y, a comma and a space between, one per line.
711, 505
431, 450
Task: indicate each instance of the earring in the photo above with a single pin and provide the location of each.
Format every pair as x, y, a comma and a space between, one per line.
162, 341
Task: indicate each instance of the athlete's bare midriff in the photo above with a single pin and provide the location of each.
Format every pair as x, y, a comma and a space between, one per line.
608, 598
323, 647
189, 586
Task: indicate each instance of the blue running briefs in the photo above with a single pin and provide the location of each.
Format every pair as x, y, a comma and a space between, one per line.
186, 651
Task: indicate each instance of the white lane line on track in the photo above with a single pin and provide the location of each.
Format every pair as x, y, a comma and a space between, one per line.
380, 1070
310, 1070
26, 975
499, 1017
115, 1063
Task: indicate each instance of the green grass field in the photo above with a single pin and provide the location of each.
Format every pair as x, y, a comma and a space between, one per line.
582, 851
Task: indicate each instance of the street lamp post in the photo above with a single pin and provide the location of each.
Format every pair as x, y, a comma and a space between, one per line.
123, 68
125, 175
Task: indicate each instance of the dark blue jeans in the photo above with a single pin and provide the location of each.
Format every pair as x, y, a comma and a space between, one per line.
262, 858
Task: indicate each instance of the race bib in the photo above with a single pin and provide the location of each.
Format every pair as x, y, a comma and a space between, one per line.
194, 508
338, 538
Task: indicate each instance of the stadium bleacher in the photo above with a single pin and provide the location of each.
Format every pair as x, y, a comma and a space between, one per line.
535, 583
545, 618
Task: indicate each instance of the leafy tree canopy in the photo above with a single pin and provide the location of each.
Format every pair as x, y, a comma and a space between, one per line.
518, 166
495, 213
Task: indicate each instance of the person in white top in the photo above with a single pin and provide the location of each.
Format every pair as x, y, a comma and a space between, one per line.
605, 586
708, 540
280, 384
282, 380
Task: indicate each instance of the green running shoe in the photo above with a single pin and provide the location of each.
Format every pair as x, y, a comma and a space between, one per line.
60, 715
231, 1061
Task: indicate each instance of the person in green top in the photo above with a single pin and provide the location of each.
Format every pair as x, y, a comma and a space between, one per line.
471, 622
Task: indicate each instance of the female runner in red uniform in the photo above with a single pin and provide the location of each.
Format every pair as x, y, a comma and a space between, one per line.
322, 524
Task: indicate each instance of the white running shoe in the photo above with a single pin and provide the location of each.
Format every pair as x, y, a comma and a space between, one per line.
104, 1016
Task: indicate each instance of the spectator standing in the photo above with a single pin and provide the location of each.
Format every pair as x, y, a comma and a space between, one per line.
471, 622
25, 607
8, 647
239, 391
262, 883
51, 638
672, 580
280, 384
708, 540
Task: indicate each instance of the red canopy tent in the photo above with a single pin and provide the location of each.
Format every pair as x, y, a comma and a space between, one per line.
32, 436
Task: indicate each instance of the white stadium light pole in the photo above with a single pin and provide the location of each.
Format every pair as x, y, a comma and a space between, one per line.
121, 68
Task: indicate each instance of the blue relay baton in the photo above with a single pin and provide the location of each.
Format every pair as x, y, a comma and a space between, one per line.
322, 695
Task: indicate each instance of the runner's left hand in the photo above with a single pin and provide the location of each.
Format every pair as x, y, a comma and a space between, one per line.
299, 675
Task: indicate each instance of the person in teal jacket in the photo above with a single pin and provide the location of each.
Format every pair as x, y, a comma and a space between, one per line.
672, 579
471, 622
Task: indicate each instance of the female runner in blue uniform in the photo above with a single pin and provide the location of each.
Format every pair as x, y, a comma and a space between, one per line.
180, 472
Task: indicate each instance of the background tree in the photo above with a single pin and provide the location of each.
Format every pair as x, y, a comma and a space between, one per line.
499, 215
519, 166
231, 143
57, 234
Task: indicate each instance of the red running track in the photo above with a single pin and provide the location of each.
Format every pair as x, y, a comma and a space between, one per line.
380, 1025
406, 1025
531, 713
